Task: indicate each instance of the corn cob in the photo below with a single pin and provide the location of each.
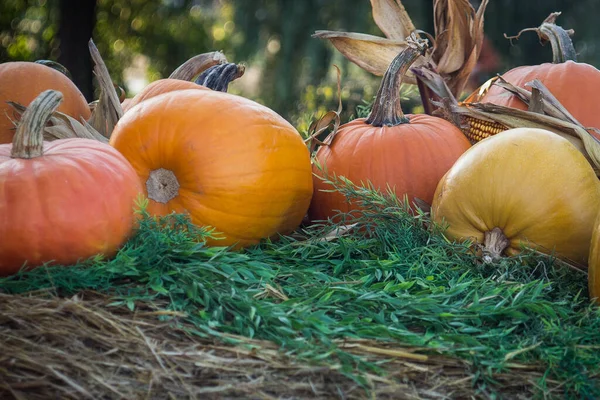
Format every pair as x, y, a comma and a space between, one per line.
476, 129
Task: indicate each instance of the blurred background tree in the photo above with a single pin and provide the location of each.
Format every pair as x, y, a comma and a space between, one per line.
287, 70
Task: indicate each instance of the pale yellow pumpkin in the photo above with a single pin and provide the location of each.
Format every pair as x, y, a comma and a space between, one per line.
524, 187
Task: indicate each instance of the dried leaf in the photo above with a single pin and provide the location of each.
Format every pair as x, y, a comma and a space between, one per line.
63, 126
481, 91
457, 44
550, 104
371, 53
451, 19
337, 232
322, 124
459, 38
108, 110
588, 144
391, 17
432, 87
536, 103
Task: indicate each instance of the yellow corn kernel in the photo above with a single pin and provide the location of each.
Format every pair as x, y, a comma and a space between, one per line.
477, 129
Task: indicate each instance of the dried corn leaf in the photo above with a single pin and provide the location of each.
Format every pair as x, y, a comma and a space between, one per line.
536, 103
391, 17
458, 41
371, 53
550, 104
63, 126
108, 110
319, 126
459, 38
516, 118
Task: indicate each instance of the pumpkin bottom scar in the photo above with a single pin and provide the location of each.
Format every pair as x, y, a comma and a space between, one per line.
162, 185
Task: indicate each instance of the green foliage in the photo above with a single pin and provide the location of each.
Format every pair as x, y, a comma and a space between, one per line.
27, 29
392, 280
167, 33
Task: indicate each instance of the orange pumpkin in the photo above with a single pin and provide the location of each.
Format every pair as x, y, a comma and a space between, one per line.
227, 161
408, 153
574, 84
64, 200
21, 82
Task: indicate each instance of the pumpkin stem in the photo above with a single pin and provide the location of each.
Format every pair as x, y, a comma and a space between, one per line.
218, 77
57, 66
559, 38
197, 64
28, 141
386, 107
495, 242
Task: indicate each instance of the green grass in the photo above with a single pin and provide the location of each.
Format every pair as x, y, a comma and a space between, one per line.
395, 280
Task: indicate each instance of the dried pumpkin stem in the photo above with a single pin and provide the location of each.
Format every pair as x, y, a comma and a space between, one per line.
559, 38
56, 66
386, 107
162, 185
28, 141
197, 64
218, 77
495, 242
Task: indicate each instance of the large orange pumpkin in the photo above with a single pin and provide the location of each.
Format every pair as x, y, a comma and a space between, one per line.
22, 81
408, 153
576, 85
225, 160
64, 200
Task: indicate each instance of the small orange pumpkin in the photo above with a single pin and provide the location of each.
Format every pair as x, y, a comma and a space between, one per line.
410, 153
227, 161
64, 200
22, 81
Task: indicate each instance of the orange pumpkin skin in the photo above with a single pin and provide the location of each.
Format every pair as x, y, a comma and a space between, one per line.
241, 168
73, 202
575, 85
160, 86
22, 81
411, 158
